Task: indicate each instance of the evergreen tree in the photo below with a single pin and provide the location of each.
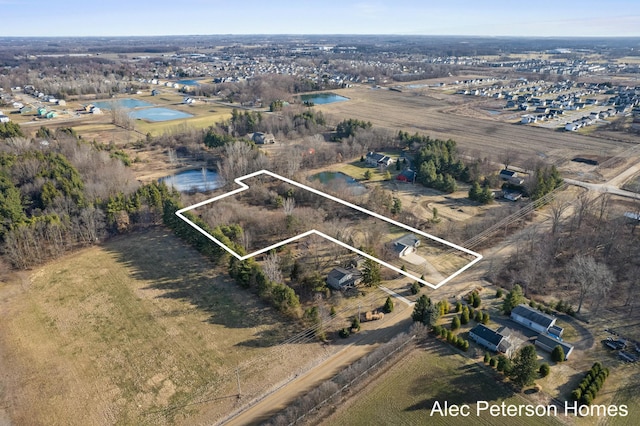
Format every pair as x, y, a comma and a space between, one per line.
388, 305
513, 299
525, 366
371, 274
455, 323
557, 355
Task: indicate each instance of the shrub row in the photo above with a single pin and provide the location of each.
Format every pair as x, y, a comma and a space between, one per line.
450, 337
590, 385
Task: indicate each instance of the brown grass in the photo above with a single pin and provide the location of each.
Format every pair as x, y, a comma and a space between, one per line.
139, 331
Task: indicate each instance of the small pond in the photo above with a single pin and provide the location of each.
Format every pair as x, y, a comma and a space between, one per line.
158, 114
122, 103
196, 180
189, 82
336, 180
323, 98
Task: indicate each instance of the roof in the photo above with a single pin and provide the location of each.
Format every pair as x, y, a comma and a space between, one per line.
487, 334
507, 173
408, 174
378, 157
533, 315
338, 273
550, 342
408, 240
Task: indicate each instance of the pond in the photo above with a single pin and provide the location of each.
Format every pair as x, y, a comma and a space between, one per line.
158, 114
323, 98
189, 82
337, 180
122, 103
196, 180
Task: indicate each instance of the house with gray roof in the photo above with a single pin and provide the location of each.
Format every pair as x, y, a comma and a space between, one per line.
488, 338
548, 343
341, 278
406, 244
535, 320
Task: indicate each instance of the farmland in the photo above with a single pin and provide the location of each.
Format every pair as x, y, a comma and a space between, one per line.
442, 116
141, 330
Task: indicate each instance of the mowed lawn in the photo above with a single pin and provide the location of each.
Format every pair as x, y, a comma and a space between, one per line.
405, 394
141, 330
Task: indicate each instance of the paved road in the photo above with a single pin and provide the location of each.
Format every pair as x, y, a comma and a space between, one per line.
604, 187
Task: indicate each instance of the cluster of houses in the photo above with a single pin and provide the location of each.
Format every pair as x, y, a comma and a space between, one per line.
549, 335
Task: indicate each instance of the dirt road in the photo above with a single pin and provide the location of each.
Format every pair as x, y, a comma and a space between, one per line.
361, 345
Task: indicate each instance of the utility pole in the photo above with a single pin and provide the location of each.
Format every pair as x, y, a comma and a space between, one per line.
238, 380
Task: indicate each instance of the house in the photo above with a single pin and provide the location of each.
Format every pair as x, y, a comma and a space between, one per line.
486, 337
341, 278
51, 114
260, 138
96, 110
534, 319
547, 344
376, 159
62, 102
571, 127
511, 177
27, 109
407, 175
42, 112
406, 244
4, 119
511, 196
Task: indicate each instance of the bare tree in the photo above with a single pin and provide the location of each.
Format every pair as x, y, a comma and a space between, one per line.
271, 268
289, 205
582, 207
557, 209
591, 277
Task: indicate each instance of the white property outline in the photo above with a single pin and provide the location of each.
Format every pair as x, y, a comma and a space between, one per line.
244, 187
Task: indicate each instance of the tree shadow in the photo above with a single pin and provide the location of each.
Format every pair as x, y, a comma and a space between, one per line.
178, 271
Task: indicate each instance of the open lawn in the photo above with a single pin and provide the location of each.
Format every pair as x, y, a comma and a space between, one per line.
406, 393
141, 330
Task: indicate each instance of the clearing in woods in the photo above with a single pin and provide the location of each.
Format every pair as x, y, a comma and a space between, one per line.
140, 330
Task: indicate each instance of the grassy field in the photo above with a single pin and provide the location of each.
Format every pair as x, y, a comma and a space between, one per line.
407, 392
141, 330
444, 119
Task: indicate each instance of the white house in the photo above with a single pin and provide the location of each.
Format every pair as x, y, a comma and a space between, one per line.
376, 159
4, 119
534, 319
548, 343
406, 244
486, 337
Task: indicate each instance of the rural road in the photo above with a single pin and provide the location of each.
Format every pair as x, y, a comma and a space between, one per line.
362, 344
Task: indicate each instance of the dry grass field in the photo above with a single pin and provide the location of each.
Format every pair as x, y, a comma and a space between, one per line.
141, 330
442, 118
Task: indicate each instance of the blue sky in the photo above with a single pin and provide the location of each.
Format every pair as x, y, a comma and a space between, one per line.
405, 17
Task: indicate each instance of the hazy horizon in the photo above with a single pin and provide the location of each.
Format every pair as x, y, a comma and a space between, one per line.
492, 18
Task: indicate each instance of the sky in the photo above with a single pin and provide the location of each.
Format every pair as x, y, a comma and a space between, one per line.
545, 18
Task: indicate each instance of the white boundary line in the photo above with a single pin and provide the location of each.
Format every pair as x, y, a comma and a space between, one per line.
244, 187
